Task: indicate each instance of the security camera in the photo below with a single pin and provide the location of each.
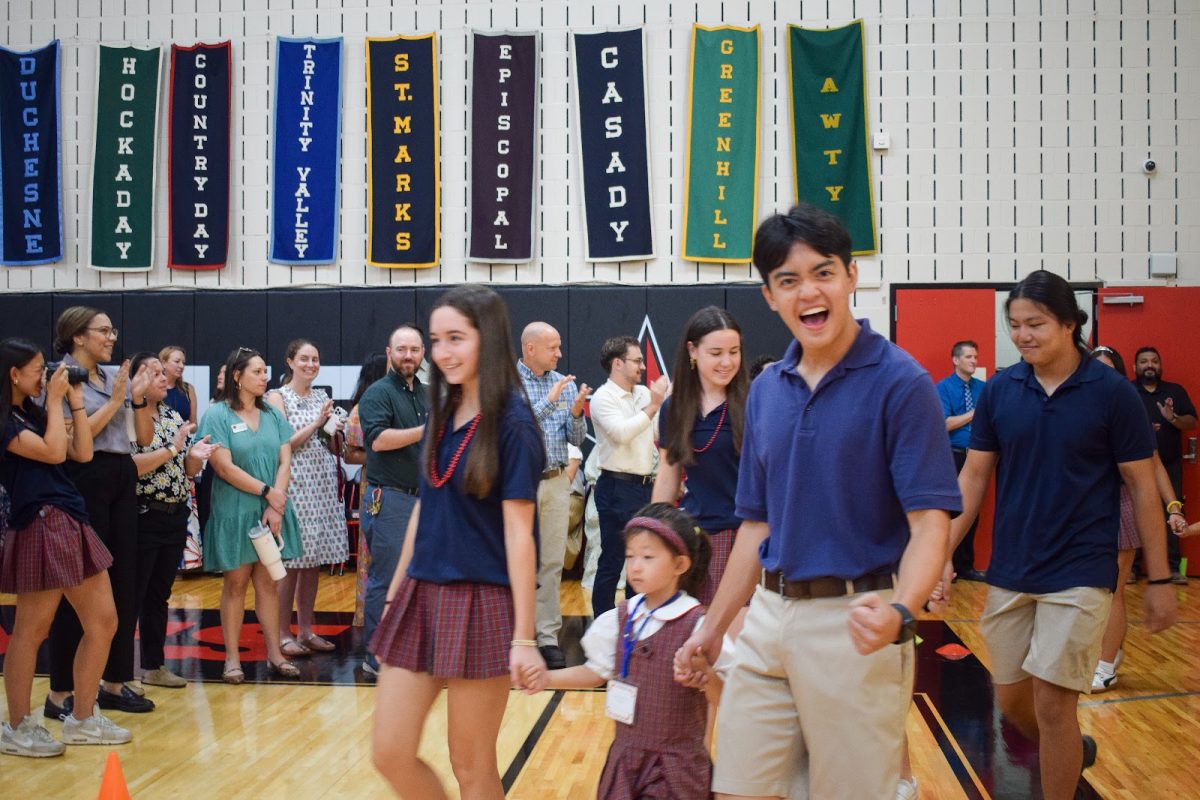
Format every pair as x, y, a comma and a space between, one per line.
1149, 167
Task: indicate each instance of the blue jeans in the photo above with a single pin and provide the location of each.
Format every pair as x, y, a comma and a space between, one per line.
616, 503
385, 538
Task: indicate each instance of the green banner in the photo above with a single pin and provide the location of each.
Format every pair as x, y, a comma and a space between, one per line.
721, 192
127, 87
829, 127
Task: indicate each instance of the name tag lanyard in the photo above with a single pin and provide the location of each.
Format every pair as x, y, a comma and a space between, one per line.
629, 639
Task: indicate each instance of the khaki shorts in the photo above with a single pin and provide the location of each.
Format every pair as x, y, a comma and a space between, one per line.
1054, 637
803, 715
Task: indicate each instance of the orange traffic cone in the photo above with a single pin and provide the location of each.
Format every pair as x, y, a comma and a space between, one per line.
112, 786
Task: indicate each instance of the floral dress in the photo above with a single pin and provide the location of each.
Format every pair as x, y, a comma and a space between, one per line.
314, 487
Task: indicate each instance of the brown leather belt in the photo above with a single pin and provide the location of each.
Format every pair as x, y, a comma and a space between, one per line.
628, 477
552, 473
824, 587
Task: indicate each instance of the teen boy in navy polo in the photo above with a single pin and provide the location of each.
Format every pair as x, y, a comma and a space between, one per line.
1064, 431
845, 491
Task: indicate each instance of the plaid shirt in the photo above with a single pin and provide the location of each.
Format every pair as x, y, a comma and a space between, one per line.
558, 426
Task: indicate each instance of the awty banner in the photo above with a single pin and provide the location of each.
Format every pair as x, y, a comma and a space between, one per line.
504, 104
614, 152
307, 136
403, 175
31, 230
721, 194
123, 179
198, 166
829, 127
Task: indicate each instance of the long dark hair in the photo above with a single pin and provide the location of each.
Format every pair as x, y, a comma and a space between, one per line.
374, 367
686, 393
292, 349
498, 383
237, 362
16, 352
699, 547
1111, 354
1055, 295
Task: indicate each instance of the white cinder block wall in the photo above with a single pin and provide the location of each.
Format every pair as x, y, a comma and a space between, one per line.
1018, 130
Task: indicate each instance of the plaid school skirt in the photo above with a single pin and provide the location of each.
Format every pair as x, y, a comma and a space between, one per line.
722, 546
454, 630
55, 551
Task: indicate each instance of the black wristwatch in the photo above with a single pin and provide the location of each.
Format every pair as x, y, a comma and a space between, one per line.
908, 625
266, 490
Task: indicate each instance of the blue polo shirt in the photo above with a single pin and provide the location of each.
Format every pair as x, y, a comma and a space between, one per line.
1057, 482
712, 477
954, 403
32, 484
834, 472
459, 536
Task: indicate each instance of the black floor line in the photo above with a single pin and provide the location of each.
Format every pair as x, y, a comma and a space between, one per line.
1162, 696
526, 749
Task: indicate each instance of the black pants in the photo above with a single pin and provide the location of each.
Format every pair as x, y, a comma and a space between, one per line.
161, 537
616, 503
964, 554
108, 484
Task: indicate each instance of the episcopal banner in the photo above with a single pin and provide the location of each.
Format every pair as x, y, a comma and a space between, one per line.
403, 175
123, 177
31, 230
614, 152
829, 127
198, 165
504, 104
721, 194
307, 136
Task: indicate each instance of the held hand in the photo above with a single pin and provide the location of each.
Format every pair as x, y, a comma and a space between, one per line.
121, 382
703, 644
658, 389
1160, 607
585, 392
1177, 524
58, 386
533, 680
277, 500
1190, 530
939, 598
873, 623
523, 662
181, 435
557, 389
203, 449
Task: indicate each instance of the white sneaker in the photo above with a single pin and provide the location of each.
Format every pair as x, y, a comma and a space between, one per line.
96, 729
906, 790
29, 739
1102, 682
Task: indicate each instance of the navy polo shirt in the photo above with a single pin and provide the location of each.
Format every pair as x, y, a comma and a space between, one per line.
834, 472
32, 484
950, 392
459, 536
712, 476
1057, 482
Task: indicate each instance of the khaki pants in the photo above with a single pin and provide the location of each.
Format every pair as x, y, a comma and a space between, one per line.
553, 503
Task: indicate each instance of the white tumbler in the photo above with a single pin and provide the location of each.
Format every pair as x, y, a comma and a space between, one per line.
268, 551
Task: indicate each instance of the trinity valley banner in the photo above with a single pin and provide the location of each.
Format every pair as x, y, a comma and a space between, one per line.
307, 138
721, 194
504, 104
198, 161
123, 163
403, 174
829, 126
614, 153
31, 229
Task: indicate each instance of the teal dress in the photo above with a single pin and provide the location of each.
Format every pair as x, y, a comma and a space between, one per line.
227, 544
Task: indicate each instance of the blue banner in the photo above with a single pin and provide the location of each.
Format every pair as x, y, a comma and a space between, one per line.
307, 138
30, 160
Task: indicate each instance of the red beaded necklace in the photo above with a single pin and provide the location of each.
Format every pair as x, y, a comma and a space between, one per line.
713, 438
440, 481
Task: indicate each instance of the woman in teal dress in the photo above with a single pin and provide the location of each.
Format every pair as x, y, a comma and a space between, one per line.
251, 468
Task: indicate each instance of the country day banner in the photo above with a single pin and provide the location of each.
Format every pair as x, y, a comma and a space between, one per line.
31, 220
612, 118
123, 161
721, 190
503, 176
403, 173
306, 137
198, 163
829, 127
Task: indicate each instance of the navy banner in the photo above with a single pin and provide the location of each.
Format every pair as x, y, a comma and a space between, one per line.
504, 103
30, 163
307, 138
198, 164
403, 174
614, 154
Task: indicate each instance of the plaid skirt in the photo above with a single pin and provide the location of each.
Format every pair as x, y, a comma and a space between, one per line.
55, 551
722, 546
1128, 538
454, 630
666, 773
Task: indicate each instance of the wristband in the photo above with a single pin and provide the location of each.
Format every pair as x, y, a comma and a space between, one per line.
142, 404
1159, 582
266, 490
173, 450
524, 643
75, 410
1174, 506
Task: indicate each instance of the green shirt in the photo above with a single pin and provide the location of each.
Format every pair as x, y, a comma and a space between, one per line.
389, 403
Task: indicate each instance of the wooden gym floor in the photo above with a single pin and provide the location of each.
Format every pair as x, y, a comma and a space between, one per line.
310, 738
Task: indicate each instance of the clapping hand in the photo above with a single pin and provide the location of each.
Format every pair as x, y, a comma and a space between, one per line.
181, 435
203, 448
585, 392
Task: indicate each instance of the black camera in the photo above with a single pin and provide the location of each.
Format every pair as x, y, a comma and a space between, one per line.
74, 374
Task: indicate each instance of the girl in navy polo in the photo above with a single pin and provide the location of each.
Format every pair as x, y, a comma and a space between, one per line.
460, 609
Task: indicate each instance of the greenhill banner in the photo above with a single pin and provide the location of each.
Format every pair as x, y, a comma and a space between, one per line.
721, 193
829, 127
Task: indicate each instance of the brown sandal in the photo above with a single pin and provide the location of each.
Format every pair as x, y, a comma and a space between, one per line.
293, 649
284, 669
315, 643
234, 676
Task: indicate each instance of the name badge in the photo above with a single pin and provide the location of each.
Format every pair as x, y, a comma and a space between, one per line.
239, 427
620, 701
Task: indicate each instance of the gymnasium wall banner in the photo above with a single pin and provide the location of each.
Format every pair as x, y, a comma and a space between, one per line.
504, 106
403, 174
31, 229
614, 151
124, 159
721, 190
198, 160
829, 127
307, 141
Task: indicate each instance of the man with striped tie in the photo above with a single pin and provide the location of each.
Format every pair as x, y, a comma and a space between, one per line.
958, 392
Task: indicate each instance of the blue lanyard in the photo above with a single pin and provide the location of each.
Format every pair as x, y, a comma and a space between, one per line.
629, 639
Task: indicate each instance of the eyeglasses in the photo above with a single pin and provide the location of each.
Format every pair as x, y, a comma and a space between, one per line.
108, 333
1102, 349
241, 350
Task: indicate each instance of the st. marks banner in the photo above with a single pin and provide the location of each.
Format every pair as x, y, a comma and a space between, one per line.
829, 125
31, 229
123, 179
504, 94
403, 175
307, 151
198, 165
614, 155
721, 194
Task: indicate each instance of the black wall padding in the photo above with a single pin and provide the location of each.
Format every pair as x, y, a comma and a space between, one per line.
370, 315
668, 314
762, 330
226, 321
598, 312
315, 315
29, 316
154, 320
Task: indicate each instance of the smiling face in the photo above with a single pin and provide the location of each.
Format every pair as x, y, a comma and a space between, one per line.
405, 352
718, 357
628, 370
28, 380
542, 352
305, 364
96, 341
454, 345
252, 379
1149, 367
965, 362
1038, 335
157, 390
652, 568
811, 294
